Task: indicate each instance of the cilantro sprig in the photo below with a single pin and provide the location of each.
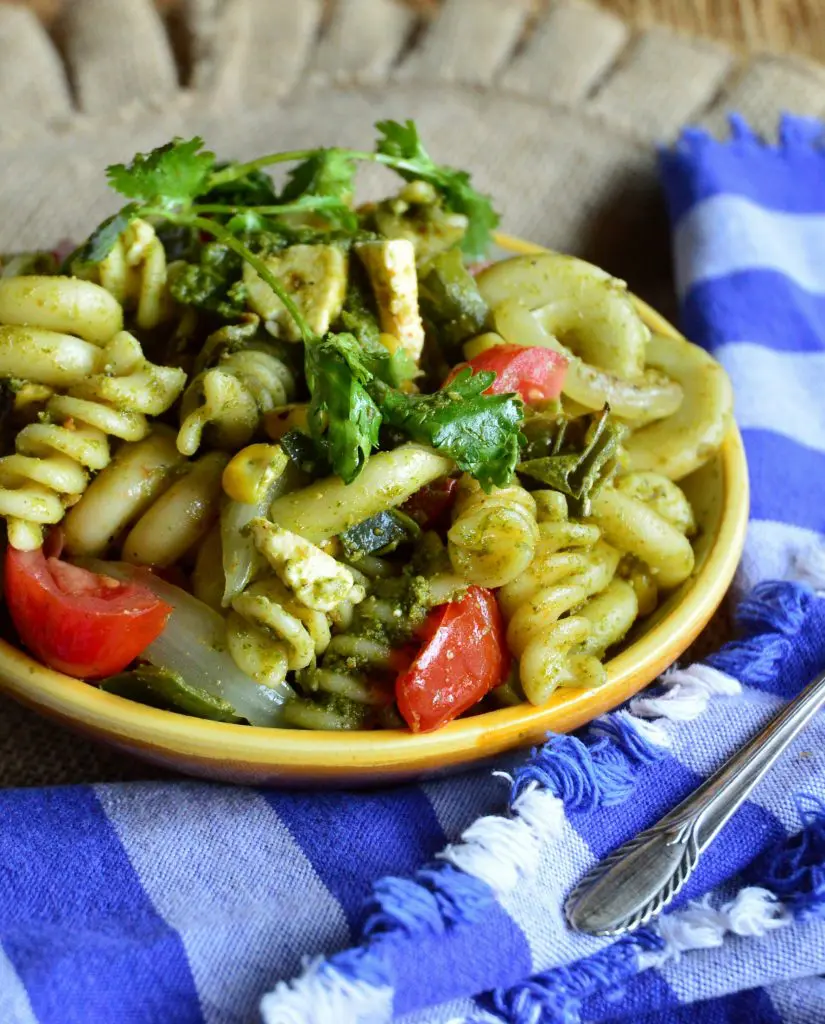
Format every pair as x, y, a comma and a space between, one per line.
352, 379
180, 182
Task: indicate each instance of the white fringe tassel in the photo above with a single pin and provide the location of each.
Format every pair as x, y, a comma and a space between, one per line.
653, 732
809, 567
752, 913
324, 996
500, 850
687, 693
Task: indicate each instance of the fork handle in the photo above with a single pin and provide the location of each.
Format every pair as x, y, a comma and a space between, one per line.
637, 881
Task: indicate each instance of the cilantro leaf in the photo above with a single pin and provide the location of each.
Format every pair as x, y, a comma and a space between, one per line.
168, 176
481, 433
330, 173
402, 144
102, 240
579, 469
255, 188
343, 418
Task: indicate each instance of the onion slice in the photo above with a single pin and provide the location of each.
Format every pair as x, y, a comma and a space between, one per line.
194, 645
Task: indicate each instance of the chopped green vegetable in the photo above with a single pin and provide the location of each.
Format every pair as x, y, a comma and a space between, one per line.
402, 144
162, 688
381, 533
451, 302
359, 319
343, 418
580, 468
214, 284
304, 454
481, 433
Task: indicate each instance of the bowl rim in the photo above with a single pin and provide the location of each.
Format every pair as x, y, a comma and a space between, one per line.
326, 754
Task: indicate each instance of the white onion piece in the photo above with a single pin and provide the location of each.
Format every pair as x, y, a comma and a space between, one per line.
194, 645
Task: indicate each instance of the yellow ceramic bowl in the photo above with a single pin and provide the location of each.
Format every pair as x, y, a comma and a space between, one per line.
237, 753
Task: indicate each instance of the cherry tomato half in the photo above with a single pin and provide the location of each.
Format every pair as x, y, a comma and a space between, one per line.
76, 621
536, 373
463, 657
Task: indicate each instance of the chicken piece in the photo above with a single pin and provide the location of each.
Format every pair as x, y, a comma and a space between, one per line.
315, 276
390, 266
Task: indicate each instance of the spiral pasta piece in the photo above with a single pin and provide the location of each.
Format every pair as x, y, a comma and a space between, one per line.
493, 536
648, 516
233, 397
134, 273
270, 632
282, 623
545, 631
53, 458
63, 304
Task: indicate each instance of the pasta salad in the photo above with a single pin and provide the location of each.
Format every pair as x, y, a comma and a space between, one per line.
272, 457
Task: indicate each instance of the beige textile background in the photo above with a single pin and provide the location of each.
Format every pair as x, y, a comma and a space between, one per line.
751, 25
555, 110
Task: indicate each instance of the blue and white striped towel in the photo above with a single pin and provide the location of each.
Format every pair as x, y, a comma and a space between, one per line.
185, 902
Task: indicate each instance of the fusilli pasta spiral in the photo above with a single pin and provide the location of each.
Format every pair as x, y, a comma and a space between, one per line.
280, 623
233, 397
134, 272
53, 458
646, 515
544, 630
493, 536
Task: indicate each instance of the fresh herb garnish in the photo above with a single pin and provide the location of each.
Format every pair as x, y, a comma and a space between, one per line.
401, 144
352, 377
481, 433
579, 468
343, 418
168, 177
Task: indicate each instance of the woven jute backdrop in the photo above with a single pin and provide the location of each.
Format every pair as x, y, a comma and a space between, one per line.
556, 112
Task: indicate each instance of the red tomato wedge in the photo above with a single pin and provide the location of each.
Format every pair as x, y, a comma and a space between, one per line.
429, 506
536, 373
78, 622
464, 656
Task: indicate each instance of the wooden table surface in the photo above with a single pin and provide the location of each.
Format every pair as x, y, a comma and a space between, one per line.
751, 25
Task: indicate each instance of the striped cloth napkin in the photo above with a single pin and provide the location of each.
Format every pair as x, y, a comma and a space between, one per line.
186, 902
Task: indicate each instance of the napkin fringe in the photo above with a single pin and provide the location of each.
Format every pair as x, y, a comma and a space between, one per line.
794, 868
752, 913
770, 617
557, 994
325, 994
795, 135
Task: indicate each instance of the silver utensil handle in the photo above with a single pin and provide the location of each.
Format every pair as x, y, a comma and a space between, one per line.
639, 879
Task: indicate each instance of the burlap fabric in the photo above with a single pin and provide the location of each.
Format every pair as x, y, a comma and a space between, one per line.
555, 113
